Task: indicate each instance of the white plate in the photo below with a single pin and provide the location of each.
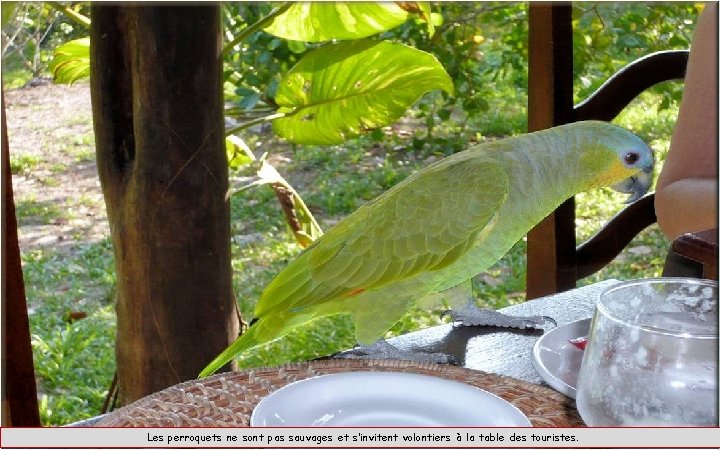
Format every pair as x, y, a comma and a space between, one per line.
557, 360
384, 399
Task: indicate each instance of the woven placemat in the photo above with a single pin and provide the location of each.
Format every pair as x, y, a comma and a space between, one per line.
228, 399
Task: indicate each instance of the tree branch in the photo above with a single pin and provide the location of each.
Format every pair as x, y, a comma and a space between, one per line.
70, 13
250, 123
262, 23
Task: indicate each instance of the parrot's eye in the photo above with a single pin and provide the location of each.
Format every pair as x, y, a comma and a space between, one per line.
631, 158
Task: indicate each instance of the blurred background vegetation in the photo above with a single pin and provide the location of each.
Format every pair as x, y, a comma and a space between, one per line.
483, 46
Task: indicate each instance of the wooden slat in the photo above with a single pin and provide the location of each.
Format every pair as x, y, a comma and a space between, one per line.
614, 236
627, 83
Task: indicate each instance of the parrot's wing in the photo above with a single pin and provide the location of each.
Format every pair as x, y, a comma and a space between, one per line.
454, 298
423, 224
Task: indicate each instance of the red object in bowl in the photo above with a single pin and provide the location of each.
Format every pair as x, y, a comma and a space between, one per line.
580, 342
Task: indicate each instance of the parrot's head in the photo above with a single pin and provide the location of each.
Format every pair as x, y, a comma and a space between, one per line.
636, 185
623, 160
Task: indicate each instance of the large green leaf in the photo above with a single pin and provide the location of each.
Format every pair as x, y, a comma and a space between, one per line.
325, 21
71, 61
344, 89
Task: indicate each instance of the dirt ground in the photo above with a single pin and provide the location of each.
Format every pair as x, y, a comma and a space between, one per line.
56, 188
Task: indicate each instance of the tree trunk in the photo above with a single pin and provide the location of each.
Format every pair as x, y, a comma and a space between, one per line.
156, 80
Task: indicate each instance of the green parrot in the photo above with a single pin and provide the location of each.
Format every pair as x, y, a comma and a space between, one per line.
440, 227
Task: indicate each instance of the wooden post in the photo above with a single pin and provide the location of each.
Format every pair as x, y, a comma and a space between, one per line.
19, 402
551, 244
156, 81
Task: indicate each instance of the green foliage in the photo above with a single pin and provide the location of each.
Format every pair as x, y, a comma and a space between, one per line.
32, 29
341, 90
8, 9
238, 153
333, 92
338, 20
258, 60
338, 90
71, 61
14, 73
300, 219
481, 45
610, 35
253, 68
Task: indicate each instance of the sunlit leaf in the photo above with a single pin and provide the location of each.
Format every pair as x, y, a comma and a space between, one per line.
298, 216
436, 19
238, 153
341, 90
297, 47
71, 61
325, 21
424, 10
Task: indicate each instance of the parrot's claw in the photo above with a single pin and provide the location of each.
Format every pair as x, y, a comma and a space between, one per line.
470, 315
382, 349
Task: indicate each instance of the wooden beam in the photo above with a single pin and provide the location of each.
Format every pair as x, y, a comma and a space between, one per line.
551, 244
20, 405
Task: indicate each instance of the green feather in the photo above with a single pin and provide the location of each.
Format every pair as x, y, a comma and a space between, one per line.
436, 229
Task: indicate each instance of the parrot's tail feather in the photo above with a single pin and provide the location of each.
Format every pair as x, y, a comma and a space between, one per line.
246, 341
268, 329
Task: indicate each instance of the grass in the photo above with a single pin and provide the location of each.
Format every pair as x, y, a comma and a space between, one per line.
75, 359
23, 163
81, 149
33, 211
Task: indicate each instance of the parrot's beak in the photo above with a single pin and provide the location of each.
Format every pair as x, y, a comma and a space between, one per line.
637, 185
